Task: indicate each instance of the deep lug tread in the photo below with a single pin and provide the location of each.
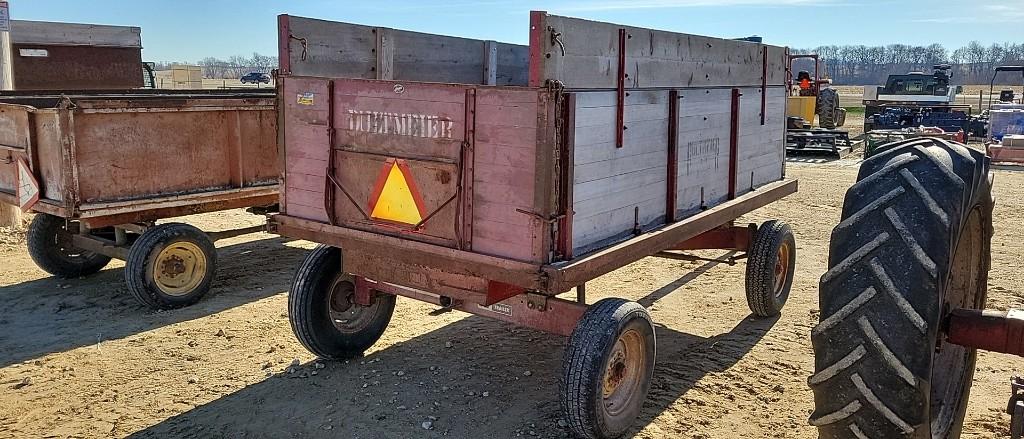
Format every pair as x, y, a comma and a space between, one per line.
888, 263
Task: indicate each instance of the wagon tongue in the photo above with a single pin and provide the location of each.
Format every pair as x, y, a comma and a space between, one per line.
397, 150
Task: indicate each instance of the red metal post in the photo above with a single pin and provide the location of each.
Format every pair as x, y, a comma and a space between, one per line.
673, 156
283, 42
734, 138
565, 164
764, 82
329, 184
538, 50
466, 189
996, 331
620, 108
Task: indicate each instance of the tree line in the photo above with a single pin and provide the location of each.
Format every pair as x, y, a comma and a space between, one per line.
231, 68
866, 65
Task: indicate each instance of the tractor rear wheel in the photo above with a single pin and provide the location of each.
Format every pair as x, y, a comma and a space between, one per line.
913, 245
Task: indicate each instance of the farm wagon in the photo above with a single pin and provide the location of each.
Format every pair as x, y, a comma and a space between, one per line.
490, 178
99, 168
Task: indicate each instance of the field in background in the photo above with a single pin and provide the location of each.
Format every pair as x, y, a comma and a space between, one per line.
852, 95
164, 81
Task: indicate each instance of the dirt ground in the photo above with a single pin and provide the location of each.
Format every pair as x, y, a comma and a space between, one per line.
79, 358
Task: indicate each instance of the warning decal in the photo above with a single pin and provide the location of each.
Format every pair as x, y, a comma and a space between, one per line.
28, 187
395, 196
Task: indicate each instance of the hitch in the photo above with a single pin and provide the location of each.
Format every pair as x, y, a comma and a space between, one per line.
996, 331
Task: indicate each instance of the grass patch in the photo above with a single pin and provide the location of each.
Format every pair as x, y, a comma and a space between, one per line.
854, 110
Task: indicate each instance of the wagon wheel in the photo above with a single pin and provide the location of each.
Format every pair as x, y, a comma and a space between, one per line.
49, 245
607, 368
770, 265
171, 266
913, 245
322, 311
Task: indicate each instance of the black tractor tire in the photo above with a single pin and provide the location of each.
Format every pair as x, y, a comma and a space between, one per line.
49, 245
770, 265
171, 266
827, 106
913, 244
322, 314
613, 345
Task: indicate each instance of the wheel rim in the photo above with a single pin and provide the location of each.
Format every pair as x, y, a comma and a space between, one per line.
623, 373
781, 269
345, 314
950, 370
179, 268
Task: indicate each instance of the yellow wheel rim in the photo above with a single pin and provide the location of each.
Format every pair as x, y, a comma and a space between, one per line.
179, 268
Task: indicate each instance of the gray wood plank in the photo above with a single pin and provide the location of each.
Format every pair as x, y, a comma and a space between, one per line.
74, 34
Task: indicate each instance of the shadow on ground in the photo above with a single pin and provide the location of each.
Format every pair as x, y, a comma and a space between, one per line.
391, 392
55, 315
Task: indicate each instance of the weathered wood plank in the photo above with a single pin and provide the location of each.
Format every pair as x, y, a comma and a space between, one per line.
654, 58
333, 49
74, 34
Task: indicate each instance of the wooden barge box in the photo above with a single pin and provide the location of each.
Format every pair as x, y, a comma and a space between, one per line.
490, 178
99, 168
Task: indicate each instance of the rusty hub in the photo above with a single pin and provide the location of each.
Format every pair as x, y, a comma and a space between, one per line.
622, 376
781, 269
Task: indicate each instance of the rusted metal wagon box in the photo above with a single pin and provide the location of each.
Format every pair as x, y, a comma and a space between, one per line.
99, 168
490, 178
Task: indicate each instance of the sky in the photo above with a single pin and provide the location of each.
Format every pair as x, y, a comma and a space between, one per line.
189, 30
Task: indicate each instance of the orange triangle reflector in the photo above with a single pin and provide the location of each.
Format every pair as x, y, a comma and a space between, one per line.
396, 197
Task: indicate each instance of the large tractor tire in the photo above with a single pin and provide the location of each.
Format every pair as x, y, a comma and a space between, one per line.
913, 244
828, 109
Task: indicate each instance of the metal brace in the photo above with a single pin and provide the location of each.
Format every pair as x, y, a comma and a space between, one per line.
537, 302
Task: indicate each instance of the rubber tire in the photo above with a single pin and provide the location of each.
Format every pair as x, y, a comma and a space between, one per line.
148, 246
42, 238
583, 366
827, 105
761, 261
867, 342
309, 312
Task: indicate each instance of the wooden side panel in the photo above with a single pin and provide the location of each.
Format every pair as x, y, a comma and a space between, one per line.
762, 151
653, 58
158, 153
304, 102
49, 148
705, 115
703, 178
14, 144
617, 190
258, 130
326, 48
504, 175
342, 50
